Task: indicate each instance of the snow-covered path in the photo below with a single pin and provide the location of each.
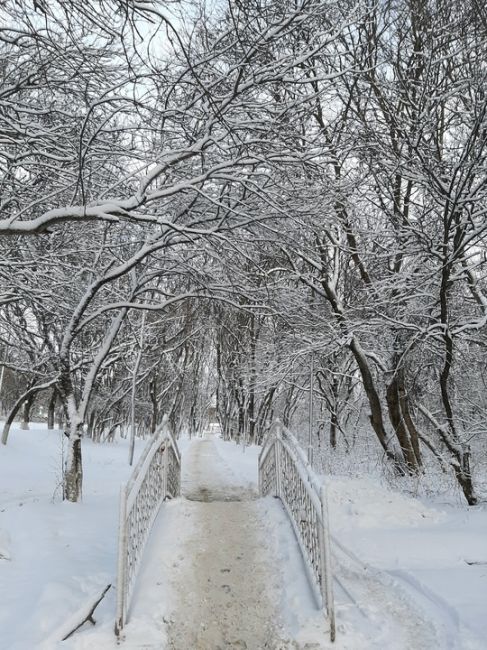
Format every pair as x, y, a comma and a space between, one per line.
223, 600
211, 580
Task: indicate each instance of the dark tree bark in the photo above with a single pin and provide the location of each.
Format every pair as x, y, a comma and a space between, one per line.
373, 398
51, 409
13, 412
399, 424
26, 411
154, 403
333, 429
73, 473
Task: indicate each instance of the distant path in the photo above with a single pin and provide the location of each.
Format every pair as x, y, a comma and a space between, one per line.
223, 599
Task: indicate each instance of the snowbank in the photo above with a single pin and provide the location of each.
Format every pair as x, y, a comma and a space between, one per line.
61, 554
434, 556
367, 503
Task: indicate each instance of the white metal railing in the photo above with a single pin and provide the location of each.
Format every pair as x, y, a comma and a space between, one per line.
157, 476
284, 472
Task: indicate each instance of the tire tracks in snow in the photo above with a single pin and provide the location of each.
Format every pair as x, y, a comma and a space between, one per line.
394, 604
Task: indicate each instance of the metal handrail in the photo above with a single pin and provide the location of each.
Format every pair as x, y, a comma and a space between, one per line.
156, 477
285, 473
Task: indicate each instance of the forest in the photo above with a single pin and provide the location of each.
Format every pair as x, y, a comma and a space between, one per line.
239, 211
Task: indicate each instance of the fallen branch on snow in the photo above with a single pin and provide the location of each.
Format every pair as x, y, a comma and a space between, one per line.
87, 613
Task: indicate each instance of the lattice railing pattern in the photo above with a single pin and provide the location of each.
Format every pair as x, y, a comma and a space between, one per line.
267, 473
173, 487
303, 509
156, 477
141, 511
285, 473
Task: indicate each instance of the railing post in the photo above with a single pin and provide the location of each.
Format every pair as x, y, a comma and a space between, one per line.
326, 574
122, 562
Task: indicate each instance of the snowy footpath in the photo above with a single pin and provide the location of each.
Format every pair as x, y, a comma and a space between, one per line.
222, 569
214, 575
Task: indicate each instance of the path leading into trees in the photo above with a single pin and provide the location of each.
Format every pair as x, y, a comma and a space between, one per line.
219, 578
226, 582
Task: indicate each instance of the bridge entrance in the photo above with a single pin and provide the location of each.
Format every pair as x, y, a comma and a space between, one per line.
226, 578
216, 552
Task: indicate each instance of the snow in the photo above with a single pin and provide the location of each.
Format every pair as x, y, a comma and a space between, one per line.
62, 554
420, 549
5, 545
410, 573
366, 503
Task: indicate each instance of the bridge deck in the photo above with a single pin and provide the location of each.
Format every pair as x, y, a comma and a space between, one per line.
216, 564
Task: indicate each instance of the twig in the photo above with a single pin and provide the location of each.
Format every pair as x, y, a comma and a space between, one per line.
89, 615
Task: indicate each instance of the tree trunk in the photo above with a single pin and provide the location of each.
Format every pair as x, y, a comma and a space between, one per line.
252, 381
51, 409
61, 418
459, 458
333, 429
26, 412
32, 390
464, 476
408, 419
73, 472
375, 405
264, 415
134, 386
2, 375
459, 451
397, 421
155, 405
93, 430
333, 412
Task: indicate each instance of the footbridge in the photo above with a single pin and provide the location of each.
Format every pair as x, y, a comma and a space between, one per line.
283, 472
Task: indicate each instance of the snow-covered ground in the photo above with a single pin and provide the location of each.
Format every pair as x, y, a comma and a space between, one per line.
57, 556
411, 574
434, 555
